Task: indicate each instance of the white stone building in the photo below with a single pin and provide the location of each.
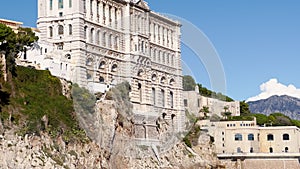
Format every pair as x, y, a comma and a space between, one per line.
99, 43
194, 102
247, 140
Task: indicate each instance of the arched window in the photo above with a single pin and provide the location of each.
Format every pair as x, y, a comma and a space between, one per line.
104, 39
60, 30
239, 150
163, 80
50, 31
101, 65
154, 77
171, 99
140, 73
286, 149
101, 79
154, 55
172, 82
89, 61
116, 46
271, 150
162, 98
88, 76
70, 29
97, 37
110, 41
286, 137
92, 36
153, 96
270, 137
85, 32
238, 137
114, 67
250, 137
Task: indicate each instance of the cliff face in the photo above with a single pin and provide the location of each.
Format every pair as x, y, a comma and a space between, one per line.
44, 152
108, 125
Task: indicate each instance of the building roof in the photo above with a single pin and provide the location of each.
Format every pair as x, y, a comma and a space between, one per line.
10, 22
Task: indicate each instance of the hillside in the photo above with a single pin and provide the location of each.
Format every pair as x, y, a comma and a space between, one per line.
287, 105
40, 128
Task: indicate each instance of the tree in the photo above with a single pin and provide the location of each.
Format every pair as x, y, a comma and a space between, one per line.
226, 113
13, 43
244, 108
205, 111
188, 83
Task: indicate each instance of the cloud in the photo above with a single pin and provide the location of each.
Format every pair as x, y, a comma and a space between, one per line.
273, 87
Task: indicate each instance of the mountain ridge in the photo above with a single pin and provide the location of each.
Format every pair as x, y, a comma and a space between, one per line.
287, 105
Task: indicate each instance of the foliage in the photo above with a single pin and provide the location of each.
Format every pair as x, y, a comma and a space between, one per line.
278, 119
83, 99
208, 93
274, 119
191, 139
261, 119
13, 43
244, 108
295, 123
38, 95
188, 83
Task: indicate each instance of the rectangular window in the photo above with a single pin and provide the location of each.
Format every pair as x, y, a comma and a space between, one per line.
153, 96
70, 29
84, 6
60, 4
185, 102
91, 7
162, 98
51, 4
70, 3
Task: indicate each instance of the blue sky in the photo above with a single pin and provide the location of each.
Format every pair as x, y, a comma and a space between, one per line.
256, 40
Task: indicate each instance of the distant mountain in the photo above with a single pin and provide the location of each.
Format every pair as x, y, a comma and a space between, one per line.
287, 105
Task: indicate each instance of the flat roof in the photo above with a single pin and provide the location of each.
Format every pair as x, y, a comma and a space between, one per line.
10, 21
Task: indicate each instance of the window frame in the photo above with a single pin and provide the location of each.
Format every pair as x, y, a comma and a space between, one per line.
238, 137
60, 4
250, 137
270, 137
285, 137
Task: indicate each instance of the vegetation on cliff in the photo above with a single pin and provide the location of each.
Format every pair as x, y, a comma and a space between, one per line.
38, 105
189, 84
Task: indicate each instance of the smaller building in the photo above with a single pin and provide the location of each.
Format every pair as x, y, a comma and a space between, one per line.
247, 138
194, 102
14, 25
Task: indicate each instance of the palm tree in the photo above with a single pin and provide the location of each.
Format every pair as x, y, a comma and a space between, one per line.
226, 113
205, 111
